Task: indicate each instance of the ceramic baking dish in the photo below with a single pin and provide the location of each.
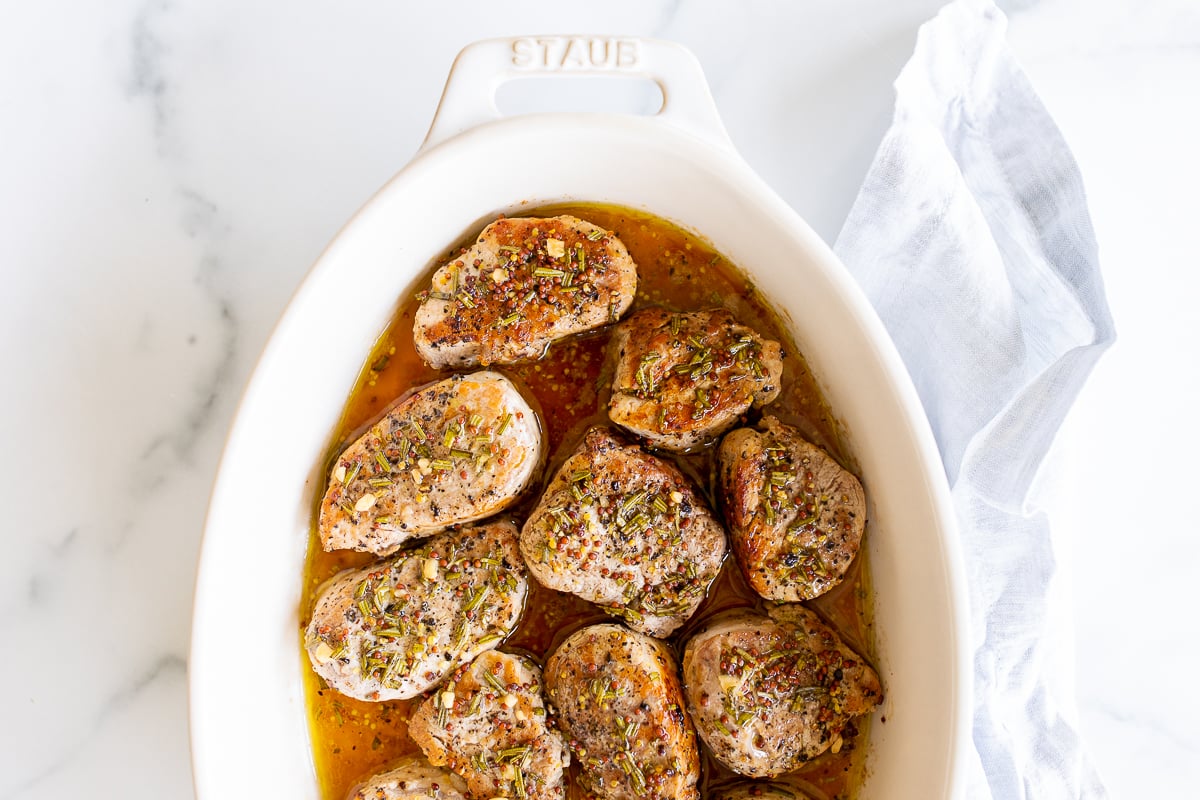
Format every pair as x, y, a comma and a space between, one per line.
248, 726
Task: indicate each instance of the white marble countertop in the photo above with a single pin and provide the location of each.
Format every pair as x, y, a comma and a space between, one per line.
169, 170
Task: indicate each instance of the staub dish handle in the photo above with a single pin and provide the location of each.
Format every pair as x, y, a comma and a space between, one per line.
469, 98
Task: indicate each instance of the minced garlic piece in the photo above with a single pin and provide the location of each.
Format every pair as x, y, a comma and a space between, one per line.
430, 569
555, 248
365, 502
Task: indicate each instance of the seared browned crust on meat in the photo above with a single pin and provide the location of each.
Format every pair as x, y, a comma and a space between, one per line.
522, 284
795, 516
768, 693
457, 451
488, 723
627, 531
621, 706
411, 778
398, 627
681, 380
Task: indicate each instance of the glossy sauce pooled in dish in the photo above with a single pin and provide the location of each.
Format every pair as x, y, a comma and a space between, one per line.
570, 386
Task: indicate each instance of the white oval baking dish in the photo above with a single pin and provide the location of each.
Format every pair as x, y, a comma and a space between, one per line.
248, 726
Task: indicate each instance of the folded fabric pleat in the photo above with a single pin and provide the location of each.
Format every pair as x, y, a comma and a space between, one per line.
972, 238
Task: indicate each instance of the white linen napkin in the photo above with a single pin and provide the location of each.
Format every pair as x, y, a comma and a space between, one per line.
972, 238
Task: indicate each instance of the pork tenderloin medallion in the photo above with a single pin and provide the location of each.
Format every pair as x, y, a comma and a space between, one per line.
795, 515
456, 451
681, 380
523, 284
488, 723
769, 693
753, 790
625, 530
412, 778
621, 707
394, 629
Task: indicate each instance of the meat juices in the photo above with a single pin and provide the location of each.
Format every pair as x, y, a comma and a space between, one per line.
621, 707
412, 778
795, 515
523, 284
681, 380
627, 531
488, 723
769, 693
723, 369
457, 451
394, 629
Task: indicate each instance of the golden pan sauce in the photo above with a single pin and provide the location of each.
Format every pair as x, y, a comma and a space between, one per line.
353, 739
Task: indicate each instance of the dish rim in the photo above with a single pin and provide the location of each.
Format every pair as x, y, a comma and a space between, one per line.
723, 164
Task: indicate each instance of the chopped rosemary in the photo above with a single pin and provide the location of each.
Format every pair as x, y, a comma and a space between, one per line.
515, 753
631, 501
636, 525
477, 598
493, 681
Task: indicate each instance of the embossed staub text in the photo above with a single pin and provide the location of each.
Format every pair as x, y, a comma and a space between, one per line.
553, 53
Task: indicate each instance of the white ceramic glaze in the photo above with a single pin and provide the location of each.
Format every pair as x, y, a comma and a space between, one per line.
249, 732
